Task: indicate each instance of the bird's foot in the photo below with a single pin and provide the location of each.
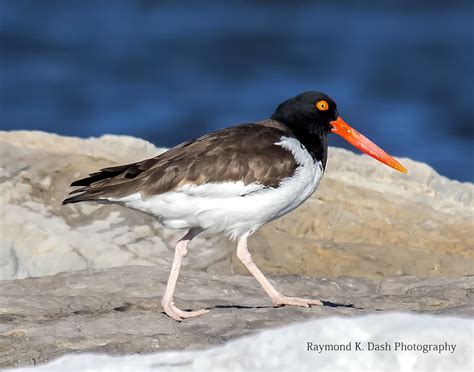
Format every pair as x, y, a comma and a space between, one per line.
177, 314
295, 301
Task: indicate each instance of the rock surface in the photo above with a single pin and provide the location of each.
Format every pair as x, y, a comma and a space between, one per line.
365, 220
39, 237
117, 311
286, 349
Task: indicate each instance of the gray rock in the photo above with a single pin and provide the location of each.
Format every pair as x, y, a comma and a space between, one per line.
117, 311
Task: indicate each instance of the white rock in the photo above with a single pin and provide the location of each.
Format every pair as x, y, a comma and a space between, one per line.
286, 349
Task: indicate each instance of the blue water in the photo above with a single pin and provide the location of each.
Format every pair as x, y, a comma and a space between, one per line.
401, 71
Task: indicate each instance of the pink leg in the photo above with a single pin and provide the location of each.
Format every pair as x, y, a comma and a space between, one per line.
278, 299
167, 302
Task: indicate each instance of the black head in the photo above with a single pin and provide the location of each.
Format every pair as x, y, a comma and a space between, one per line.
312, 115
307, 114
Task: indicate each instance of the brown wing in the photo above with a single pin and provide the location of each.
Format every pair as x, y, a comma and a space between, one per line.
244, 153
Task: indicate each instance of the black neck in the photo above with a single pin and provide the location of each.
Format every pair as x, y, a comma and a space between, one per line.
314, 139
316, 144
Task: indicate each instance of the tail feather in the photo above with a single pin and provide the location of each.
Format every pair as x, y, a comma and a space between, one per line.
102, 174
107, 182
78, 198
94, 187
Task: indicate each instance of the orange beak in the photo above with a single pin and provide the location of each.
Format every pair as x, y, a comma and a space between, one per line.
356, 139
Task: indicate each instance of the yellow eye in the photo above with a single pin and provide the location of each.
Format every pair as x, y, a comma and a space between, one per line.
322, 105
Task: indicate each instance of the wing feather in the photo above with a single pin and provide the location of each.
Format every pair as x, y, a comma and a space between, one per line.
246, 153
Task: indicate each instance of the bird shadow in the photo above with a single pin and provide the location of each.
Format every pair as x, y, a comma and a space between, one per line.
247, 307
335, 304
325, 304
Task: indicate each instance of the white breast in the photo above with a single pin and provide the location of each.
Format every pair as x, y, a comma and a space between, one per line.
232, 207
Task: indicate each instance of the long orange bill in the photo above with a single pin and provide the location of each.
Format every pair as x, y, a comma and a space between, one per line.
356, 139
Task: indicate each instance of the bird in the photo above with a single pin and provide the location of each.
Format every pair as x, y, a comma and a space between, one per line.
232, 181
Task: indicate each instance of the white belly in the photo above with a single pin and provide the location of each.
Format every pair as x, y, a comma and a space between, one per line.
233, 208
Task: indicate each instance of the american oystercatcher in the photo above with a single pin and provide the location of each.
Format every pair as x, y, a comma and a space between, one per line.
232, 181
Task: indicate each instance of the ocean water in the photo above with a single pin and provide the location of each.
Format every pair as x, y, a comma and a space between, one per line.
400, 71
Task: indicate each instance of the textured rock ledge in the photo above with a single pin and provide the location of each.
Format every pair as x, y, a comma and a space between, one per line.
117, 311
365, 220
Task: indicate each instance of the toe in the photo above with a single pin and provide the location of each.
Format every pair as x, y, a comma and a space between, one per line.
295, 301
191, 314
177, 314
171, 313
315, 302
